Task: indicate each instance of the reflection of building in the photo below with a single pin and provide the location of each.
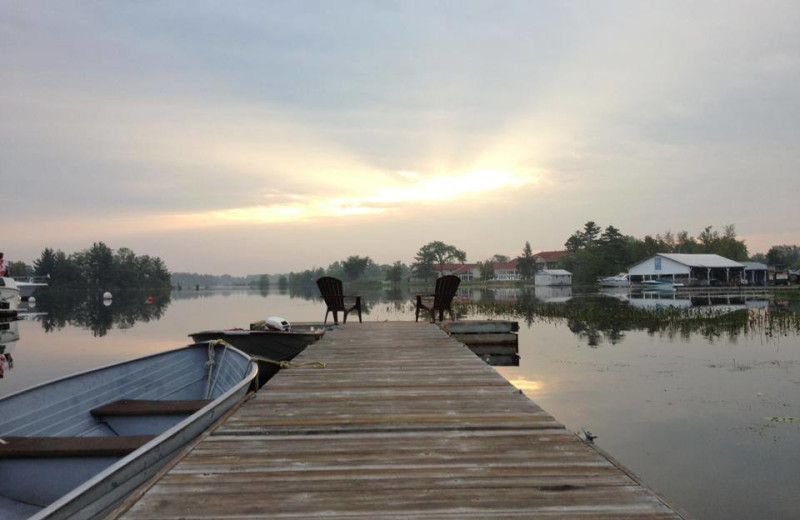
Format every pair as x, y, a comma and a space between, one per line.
553, 277
553, 294
658, 300
688, 269
9, 335
718, 303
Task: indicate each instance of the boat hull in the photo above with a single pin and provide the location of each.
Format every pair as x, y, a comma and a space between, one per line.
270, 344
9, 297
269, 347
62, 409
26, 289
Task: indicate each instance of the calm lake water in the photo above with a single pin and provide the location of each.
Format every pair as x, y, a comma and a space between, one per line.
688, 412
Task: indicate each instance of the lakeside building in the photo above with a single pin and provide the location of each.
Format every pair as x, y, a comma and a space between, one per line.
549, 259
553, 277
689, 269
466, 272
756, 273
507, 270
503, 271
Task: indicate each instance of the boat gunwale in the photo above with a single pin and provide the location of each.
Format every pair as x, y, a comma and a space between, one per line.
104, 367
251, 371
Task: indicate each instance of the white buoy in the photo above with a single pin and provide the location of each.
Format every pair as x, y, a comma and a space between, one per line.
31, 300
106, 295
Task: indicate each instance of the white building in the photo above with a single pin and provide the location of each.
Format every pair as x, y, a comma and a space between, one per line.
553, 277
689, 269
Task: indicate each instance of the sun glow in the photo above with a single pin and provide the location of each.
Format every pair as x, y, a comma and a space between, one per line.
411, 188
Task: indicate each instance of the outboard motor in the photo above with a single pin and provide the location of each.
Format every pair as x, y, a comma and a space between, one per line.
277, 323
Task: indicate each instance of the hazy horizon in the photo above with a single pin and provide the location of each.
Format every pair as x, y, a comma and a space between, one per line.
256, 137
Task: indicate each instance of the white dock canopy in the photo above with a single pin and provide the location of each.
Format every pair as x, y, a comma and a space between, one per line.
699, 269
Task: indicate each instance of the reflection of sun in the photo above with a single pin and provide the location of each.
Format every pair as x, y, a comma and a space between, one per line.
526, 385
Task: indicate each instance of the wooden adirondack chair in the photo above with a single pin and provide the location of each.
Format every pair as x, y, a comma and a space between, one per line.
446, 287
332, 292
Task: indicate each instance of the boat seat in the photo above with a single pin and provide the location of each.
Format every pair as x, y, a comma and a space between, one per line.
57, 447
139, 407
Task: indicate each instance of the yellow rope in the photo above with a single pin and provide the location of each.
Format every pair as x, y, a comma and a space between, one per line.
290, 364
282, 364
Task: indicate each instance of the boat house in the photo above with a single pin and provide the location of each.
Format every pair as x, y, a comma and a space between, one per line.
553, 277
756, 273
689, 269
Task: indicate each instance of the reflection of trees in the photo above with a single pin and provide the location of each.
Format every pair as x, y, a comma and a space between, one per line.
78, 308
597, 319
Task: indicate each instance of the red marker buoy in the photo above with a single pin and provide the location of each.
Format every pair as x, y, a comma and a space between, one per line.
149, 299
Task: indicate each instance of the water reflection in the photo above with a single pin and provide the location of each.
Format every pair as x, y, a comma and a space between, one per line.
605, 317
56, 310
9, 335
595, 318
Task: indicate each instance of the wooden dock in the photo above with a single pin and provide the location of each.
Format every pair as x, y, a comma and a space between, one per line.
404, 423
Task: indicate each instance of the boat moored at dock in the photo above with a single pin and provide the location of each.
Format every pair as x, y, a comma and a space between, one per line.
620, 280
27, 286
263, 343
77, 446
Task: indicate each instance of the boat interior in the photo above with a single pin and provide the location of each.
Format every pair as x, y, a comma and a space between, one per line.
57, 435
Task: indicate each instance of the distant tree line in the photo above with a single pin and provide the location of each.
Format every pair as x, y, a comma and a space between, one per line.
784, 256
100, 267
353, 268
191, 280
601, 252
594, 252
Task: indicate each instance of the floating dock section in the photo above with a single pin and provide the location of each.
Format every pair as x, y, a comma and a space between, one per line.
403, 423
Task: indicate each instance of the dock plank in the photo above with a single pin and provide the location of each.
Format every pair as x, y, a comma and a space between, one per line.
404, 422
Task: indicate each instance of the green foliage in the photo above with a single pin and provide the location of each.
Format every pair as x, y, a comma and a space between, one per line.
336, 270
308, 277
46, 263
283, 283
396, 272
355, 266
784, 256
486, 269
598, 254
526, 264
436, 252
18, 268
100, 268
263, 281
212, 280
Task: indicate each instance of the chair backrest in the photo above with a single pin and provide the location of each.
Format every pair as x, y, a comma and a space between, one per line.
446, 287
332, 292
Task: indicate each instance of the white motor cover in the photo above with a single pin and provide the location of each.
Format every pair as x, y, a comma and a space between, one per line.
278, 323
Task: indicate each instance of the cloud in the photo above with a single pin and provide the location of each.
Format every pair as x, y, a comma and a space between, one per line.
508, 122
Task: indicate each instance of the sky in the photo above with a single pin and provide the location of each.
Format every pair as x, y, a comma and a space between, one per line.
262, 137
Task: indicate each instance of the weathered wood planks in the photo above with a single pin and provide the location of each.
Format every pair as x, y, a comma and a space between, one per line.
405, 423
